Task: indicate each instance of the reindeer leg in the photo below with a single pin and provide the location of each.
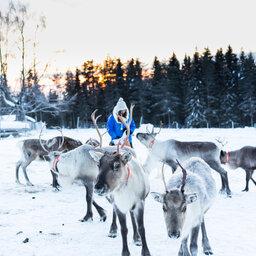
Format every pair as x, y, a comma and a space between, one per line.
247, 178
252, 178
101, 211
24, 166
184, 248
124, 232
205, 242
193, 240
89, 189
55, 183
224, 176
136, 236
140, 216
113, 228
17, 171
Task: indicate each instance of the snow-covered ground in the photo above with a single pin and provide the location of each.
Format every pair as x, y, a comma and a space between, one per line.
49, 219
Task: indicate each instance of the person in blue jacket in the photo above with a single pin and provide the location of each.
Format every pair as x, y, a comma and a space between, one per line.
114, 126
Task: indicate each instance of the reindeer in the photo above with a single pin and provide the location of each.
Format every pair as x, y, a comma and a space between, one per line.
122, 178
244, 158
188, 196
33, 148
169, 150
78, 164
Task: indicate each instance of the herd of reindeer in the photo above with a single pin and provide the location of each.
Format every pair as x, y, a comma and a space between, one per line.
116, 173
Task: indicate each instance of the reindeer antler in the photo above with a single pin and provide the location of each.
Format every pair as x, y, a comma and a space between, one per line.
183, 178
127, 125
149, 131
161, 125
94, 120
41, 140
60, 144
166, 190
62, 137
222, 141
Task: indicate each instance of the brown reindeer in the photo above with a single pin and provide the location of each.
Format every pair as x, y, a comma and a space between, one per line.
33, 148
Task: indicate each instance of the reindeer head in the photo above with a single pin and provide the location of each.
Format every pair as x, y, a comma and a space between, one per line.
112, 171
148, 138
174, 203
112, 166
93, 142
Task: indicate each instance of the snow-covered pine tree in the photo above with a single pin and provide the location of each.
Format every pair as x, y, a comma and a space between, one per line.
196, 105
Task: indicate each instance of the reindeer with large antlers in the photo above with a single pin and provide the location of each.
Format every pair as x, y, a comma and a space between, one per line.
169, 150
78, 164
188, 196
122, 178
33, 148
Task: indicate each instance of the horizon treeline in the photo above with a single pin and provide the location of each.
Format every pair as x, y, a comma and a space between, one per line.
202, 91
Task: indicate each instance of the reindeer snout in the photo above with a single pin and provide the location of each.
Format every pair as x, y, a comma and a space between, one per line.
174, 235
101, 190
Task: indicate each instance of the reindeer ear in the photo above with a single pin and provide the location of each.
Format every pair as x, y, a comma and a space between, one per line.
191, 198
96, 156
158, 197
47, 158
126, 157
222, 153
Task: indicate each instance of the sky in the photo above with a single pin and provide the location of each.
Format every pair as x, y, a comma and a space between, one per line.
80, 30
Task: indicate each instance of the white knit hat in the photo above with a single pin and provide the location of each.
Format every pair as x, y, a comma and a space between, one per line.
120, 105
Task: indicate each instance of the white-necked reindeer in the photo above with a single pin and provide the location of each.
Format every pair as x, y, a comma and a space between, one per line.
37, 148
78, 164
169, 150
189, 195
122, 178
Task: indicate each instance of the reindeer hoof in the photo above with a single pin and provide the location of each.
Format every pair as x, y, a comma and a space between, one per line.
56, 190
222, 191
137, 240
229, 195
245, 190
103, 218
208, 252
112, 234
145, 253
138, 243
29, 184
19, 183
86, 219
